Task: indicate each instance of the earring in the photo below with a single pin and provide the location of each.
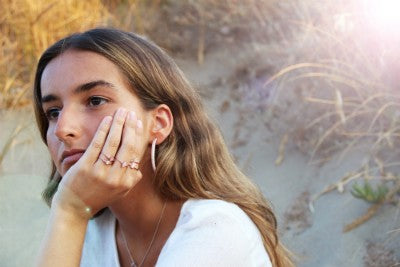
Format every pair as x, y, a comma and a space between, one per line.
153, 154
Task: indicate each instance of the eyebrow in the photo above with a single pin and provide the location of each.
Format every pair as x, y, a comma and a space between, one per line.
80, 89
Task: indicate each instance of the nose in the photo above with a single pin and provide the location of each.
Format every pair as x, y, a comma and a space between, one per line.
68, 126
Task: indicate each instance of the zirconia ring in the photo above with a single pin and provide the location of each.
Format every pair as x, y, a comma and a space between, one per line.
108, 160
133, 164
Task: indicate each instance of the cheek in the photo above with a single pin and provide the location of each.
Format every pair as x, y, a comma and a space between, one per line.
92, 126
52, 144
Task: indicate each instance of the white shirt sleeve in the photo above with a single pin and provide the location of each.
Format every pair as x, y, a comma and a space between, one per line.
213, 233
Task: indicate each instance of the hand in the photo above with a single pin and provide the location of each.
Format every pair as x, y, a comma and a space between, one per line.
105, 172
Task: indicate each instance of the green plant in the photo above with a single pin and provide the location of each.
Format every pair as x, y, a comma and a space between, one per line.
369, 193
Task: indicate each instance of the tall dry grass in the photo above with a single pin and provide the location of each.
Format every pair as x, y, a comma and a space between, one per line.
327, 55
335, 65
27, 27
345, 70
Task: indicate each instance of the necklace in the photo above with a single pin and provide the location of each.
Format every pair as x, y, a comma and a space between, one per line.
133, 263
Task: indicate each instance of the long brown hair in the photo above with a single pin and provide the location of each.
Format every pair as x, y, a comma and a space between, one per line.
193, 162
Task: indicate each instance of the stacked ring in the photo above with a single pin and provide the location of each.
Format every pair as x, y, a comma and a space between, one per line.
133, 164
108, 160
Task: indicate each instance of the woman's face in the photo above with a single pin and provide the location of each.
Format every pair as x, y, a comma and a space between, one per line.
79, 89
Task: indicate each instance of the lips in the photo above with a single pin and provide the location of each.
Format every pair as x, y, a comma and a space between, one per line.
71, 156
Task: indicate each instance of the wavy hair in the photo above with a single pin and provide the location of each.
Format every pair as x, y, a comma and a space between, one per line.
193, 162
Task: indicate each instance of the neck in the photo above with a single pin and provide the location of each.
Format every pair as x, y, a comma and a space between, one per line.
139, 210
138, 213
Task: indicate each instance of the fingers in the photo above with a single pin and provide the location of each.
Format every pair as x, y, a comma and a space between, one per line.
98, 183
116, 146
121, 150
129, 152
98, 140
114, 137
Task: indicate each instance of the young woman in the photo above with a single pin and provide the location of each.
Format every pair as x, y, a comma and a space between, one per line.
133, 149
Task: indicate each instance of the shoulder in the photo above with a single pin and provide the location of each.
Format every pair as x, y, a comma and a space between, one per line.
203, 213
214, 232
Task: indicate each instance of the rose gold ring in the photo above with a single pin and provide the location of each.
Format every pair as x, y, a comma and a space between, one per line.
133, 164
124, 164
108, 160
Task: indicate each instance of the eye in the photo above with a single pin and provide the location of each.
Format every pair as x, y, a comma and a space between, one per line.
52, 113
97, 101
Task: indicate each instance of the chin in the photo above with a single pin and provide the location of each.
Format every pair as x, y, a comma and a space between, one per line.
64, 169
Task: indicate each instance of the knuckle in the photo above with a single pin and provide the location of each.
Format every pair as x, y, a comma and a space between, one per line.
122, 182
103, 129
114, 143
131, 124
98, 174
119, 121
126, 184
130, 148
129, 183
97, 144
113, 184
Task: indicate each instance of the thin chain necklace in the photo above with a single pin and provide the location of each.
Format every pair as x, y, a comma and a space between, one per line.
133, 263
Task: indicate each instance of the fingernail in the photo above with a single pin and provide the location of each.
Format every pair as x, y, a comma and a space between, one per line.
132, 115
139, 124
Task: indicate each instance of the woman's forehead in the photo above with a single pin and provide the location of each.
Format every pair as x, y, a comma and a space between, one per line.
73, 68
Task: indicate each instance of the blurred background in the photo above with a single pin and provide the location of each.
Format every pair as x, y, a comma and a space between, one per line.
305, 92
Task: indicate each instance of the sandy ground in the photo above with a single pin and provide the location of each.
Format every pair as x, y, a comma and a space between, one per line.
23, 176
317, 238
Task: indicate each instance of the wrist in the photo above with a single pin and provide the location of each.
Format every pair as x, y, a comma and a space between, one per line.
67, 203
72, 212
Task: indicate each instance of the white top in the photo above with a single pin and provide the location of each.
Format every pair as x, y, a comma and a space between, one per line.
208, 232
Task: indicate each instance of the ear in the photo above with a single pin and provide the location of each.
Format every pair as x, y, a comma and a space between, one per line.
162, 123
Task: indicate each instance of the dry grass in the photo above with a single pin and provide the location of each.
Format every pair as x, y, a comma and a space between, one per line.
378, 255
329, 55
344, 70
28, 27
186, 27
10, 142
191, 28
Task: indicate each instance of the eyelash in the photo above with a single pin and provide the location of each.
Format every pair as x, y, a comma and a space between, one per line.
98, 98
50, 112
